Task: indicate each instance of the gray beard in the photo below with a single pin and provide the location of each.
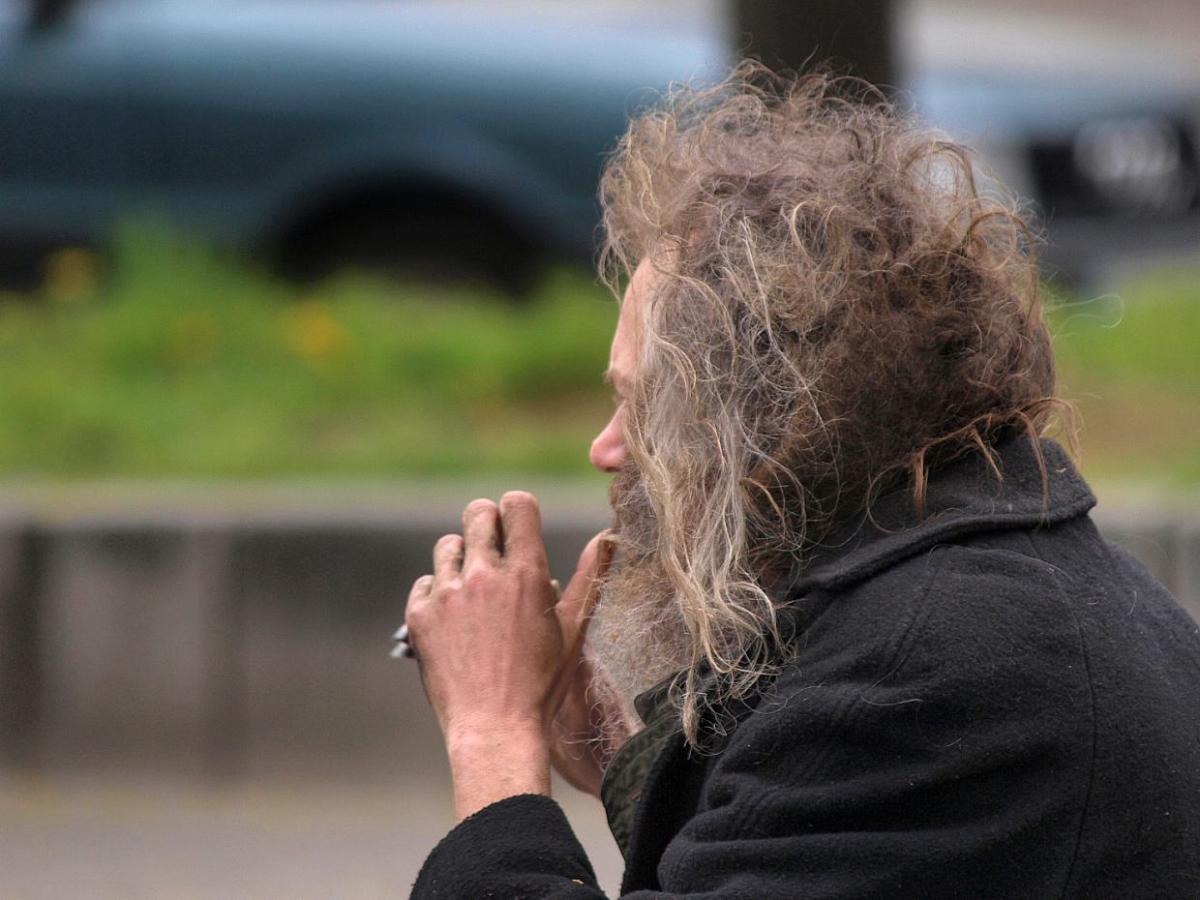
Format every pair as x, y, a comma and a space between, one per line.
637, 636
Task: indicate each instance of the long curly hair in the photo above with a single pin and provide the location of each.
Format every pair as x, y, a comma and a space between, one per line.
838, 310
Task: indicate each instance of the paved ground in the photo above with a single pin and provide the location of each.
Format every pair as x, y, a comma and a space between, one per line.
131, 838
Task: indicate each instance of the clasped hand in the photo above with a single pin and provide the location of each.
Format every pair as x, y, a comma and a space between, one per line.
500, 651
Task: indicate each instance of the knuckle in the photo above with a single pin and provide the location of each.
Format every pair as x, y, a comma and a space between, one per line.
414, 614
478, 578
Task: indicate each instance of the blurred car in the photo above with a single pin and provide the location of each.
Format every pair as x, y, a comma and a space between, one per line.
447, 138
1110, 165
468, 138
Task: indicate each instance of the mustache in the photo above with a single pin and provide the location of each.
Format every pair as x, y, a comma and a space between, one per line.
634, 518
622, 490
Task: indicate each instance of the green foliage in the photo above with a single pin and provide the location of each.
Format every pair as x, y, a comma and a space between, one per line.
1131, 362
184, 364
1149, 332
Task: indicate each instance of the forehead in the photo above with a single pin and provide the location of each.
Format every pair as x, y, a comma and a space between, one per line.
627, 338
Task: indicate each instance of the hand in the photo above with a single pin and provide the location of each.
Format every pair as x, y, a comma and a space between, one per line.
493, 644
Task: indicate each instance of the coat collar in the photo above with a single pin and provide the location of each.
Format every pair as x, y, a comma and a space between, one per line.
963, 498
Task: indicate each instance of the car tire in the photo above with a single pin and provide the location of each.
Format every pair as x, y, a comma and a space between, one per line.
427, 240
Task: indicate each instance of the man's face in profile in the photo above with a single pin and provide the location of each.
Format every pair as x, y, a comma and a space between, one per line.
609, 452
636, 632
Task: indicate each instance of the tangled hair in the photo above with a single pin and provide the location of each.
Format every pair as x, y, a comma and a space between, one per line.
838, 310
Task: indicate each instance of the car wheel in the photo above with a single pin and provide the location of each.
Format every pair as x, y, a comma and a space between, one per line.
445, 243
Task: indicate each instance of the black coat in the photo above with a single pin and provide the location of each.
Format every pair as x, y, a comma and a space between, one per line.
994, 702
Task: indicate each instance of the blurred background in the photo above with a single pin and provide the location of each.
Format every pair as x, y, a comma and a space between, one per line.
283, 285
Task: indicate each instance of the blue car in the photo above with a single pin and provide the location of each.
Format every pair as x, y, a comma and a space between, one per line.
324, 132
455, 140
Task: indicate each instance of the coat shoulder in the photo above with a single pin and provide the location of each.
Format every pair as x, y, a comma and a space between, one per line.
955, 603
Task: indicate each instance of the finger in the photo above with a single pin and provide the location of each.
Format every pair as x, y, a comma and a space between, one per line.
574, 608
421, 588
404, 640
448, 556
521, 520
481, 532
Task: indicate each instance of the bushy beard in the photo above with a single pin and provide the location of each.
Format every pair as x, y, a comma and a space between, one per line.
637, 635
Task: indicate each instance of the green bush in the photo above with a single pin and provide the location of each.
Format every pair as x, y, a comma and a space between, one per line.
183, 364
1130, 360
1149, 331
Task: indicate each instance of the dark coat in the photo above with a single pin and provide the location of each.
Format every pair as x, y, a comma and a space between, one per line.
994, 702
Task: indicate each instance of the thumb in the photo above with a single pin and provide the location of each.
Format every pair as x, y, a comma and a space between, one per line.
579, 598
574, 610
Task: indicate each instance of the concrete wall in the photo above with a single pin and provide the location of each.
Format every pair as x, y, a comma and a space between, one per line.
221, 645
233, 646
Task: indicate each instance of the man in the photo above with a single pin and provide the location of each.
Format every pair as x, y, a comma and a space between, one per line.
878, 647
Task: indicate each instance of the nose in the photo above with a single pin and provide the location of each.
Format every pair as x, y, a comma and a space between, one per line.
608, 449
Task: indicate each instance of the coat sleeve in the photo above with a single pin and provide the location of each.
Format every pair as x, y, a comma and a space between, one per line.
521, 846
943, 753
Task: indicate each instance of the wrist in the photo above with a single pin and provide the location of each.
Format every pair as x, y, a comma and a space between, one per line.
469, 745
467, 732
489, 762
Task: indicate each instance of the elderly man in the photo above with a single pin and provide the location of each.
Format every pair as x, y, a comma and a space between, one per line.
853, 634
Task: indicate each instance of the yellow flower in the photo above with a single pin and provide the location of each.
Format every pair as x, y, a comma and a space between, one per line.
72, 275
315, 335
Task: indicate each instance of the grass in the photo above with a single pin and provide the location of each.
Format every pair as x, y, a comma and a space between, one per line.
181, 365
